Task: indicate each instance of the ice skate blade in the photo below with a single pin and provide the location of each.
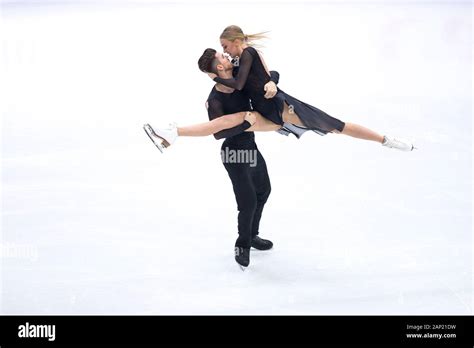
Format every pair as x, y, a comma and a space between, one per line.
164, 143
242, 268
149, 131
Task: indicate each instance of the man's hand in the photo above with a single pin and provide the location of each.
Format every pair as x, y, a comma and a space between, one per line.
270, 89
250, 117
211, 75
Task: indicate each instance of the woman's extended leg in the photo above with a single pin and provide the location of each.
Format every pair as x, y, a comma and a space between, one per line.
360, 132
262, 124
211, 127
163, 138
228, 121
350, 129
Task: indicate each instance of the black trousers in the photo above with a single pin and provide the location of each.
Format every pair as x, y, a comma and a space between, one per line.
251, 185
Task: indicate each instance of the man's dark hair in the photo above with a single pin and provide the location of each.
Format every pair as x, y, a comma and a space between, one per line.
208, 61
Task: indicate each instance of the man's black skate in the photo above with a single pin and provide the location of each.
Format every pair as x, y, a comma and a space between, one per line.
242, 256
261, 244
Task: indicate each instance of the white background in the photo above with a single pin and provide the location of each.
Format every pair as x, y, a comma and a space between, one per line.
96, 221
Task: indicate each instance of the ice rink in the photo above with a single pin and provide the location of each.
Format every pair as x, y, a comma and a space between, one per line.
96, 221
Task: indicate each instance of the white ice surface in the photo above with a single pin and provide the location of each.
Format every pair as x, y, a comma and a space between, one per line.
96, 221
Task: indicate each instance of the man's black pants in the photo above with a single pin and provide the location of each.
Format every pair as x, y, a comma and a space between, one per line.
251, 183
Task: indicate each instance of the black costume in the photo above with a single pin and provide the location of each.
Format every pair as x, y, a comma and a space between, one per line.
251, 78
250, 181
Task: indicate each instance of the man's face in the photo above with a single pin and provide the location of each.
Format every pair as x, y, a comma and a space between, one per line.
224, 60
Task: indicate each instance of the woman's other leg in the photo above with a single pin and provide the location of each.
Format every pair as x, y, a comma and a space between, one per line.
360, 132
350, 129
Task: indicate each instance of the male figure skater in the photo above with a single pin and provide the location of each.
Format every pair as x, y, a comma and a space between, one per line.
250, 179
246, 168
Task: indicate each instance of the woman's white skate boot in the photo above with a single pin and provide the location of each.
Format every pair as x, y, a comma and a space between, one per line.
162, 137
398, 143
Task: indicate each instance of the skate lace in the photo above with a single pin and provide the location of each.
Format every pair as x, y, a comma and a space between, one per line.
396, 142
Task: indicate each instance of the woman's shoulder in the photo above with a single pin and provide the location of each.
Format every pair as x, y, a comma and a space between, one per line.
250, 49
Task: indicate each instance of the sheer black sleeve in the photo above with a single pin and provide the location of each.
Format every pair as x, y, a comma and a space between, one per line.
275, 76
238, 82
214, 110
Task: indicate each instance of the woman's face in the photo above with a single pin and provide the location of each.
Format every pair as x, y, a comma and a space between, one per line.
231, 47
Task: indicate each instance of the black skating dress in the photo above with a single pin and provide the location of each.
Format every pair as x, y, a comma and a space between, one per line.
251, 79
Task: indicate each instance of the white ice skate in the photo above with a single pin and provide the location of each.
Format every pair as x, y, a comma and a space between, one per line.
162, 137
398, 143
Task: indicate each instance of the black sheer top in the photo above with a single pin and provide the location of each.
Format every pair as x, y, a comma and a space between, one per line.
220, 104
251, 79
251, 76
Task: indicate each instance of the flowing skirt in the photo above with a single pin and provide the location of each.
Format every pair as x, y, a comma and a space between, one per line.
313, 118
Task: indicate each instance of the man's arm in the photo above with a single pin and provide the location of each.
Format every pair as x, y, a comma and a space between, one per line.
275, 76
215, 109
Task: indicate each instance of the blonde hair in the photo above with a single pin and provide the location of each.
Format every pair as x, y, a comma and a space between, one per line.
234, 32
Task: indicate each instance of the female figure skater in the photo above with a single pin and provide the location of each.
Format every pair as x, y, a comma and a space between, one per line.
253, 74
286, 113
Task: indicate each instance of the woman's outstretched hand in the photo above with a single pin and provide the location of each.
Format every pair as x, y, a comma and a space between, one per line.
211, 75
270, 89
